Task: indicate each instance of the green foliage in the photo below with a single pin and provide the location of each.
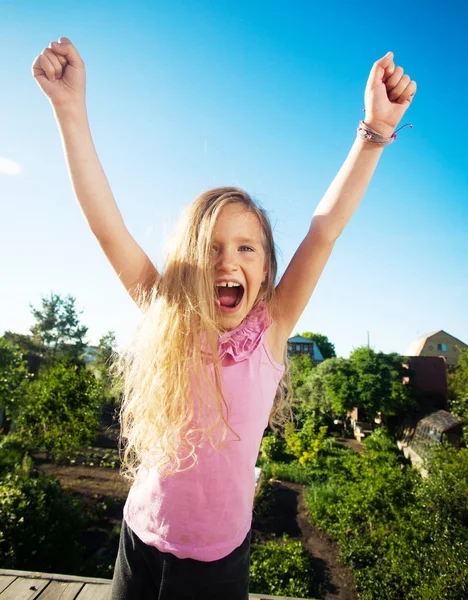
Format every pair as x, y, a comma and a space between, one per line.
381, 441
61, 410
306, 443
290, 471
379, 382
372, 381
325, 346
106, 352
281, 568
403, 536
458, 390
14, 456
300, 366
13, 378
58, 330
274, 448
38, 525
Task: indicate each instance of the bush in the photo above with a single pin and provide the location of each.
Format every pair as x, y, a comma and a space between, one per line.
286, 472
273, 448
403, 536
281, 568
60, 412
39, 525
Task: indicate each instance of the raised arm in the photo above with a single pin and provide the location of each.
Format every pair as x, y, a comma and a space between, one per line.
388, 94
59, 71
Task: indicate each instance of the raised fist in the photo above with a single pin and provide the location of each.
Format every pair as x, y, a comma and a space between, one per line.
389, 92
60, 73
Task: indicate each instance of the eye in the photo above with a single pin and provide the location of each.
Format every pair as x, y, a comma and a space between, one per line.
246, 249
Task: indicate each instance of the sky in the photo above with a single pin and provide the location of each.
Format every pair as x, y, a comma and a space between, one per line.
266, 95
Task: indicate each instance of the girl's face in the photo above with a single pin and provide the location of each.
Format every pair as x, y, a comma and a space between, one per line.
239, 262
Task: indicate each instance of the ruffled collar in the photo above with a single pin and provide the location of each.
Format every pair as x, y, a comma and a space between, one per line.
240, 343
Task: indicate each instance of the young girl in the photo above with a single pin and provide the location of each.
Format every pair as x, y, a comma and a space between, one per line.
201, 375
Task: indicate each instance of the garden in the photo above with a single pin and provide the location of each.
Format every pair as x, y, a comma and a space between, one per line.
329, 521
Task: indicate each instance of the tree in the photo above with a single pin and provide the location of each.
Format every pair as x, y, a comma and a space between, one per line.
24, 342
106, 352
327, 391
13, 376
379, 382
301, 366
341, 387
325, 346
458, 388
61, 410
57, 329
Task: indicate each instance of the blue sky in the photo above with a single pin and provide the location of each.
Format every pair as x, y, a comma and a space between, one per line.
188, 95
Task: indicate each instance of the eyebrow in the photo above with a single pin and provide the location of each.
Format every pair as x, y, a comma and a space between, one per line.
247, 240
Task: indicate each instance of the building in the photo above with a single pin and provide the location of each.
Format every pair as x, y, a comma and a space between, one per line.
302, 345
437, 343
434, 429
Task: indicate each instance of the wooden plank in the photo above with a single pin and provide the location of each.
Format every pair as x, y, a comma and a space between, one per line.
94, 591
24, 589
61, 590
5, 581
52, 576
263, 597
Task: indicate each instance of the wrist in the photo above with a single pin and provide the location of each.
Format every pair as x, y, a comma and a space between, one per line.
75, 111
380, 127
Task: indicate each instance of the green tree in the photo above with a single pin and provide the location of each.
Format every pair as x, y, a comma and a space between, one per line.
458, 389
325, 346
61, 410
106, 352
24, 342
301, 366
341, 387
57, 330
327, 392
13, 377
379, 382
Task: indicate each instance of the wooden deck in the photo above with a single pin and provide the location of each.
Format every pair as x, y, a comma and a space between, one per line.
24, 585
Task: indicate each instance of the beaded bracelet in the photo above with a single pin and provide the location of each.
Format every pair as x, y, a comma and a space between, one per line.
368, 134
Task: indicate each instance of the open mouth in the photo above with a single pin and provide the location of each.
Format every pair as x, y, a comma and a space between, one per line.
229, 294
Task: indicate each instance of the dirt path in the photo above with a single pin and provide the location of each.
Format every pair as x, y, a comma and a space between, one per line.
290, 515
338, 581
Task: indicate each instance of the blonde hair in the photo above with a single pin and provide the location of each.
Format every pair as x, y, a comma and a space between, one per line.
174, 343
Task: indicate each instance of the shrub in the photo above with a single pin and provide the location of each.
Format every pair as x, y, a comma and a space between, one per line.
60, 412
273, 448
39, 525
281, 568
404, 536
306, 443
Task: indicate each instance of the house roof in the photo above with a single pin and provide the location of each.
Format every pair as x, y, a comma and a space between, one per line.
298, 339
442, 420
416, 346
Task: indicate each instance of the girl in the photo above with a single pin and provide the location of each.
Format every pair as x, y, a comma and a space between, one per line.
201, 375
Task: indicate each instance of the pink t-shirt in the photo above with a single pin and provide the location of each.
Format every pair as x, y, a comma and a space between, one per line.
206, 512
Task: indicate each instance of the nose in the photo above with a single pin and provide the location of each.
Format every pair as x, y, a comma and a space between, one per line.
226, 261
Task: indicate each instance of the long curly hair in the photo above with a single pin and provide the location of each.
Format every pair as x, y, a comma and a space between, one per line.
169, 370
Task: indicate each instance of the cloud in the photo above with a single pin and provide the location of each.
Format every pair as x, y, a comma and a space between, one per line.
9, 167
